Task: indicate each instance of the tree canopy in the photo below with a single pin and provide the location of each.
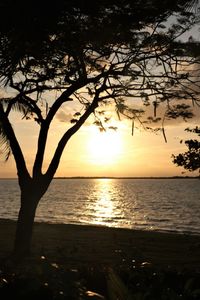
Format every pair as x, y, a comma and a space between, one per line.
93, 53
110, 50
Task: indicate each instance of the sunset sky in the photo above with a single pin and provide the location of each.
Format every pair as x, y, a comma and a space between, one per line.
114, 153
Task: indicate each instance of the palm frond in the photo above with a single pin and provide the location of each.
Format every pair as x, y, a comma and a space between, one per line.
21, 106
191, 5
5, 101
18, 104
4, 143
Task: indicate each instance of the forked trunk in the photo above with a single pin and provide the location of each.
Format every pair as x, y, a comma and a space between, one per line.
25, 223
32, 191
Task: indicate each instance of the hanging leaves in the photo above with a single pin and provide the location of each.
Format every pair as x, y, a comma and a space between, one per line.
133, 125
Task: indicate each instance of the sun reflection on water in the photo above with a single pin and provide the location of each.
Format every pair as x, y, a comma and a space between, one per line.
103, 206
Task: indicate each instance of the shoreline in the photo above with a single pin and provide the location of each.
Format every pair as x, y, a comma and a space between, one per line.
107, 246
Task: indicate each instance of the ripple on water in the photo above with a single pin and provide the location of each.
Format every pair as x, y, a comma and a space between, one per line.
155, 204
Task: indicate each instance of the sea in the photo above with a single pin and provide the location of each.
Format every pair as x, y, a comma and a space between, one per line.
169, 204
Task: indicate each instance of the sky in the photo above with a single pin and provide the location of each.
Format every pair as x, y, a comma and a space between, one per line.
113, 153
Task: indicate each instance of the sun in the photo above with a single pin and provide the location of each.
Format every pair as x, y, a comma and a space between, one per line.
104, 148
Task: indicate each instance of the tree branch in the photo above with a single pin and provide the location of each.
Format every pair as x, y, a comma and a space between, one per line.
26, 101
69, 133
37, 168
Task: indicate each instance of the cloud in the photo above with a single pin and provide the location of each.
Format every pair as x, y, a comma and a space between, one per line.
64, 116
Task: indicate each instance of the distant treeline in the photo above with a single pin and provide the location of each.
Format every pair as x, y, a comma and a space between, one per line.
118, 177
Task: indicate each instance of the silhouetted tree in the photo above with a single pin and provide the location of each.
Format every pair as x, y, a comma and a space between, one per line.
94, 53
190, 160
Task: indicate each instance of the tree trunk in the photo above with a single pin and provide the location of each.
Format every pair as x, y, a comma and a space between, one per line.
29, 202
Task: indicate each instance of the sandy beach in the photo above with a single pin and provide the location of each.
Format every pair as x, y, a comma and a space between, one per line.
96, 245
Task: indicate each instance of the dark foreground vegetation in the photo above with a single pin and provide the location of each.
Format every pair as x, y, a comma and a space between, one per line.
95, 262
43, 279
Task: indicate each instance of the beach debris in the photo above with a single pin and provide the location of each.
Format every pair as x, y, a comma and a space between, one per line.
146, 264
118, 250
55, 265
93, 295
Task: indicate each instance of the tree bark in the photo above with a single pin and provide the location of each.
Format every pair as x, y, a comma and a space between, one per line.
24, 230
32, 191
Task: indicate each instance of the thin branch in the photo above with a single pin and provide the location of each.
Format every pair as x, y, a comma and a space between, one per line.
70, 132
37, 168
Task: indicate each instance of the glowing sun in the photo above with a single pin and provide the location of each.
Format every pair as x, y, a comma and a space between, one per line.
104, 147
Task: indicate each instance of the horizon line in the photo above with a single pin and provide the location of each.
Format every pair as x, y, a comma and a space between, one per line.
117, 177
123, 177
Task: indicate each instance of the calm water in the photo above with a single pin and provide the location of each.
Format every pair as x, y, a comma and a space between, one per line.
148, 204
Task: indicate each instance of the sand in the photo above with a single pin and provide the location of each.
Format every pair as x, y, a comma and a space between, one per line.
97, 245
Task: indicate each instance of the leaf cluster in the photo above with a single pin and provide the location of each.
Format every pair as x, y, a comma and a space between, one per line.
190, 160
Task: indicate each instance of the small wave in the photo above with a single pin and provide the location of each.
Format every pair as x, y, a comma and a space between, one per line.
169, 205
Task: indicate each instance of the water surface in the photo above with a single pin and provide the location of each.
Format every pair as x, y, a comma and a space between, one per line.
148, 204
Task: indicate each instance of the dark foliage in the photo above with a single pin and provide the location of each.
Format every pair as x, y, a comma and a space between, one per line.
150, 283
49, 281
190, 160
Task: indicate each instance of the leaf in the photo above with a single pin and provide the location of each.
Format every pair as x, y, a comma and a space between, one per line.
179, 110
106, 119
21, 106
77, 114
118, 115
4, 143
116, 288
161, 26
133, 124
73, 121
155, 105
97, 123
18, 104
112, 128
121, 107
5, 101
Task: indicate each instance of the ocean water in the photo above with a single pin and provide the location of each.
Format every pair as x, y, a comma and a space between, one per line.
147, 204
